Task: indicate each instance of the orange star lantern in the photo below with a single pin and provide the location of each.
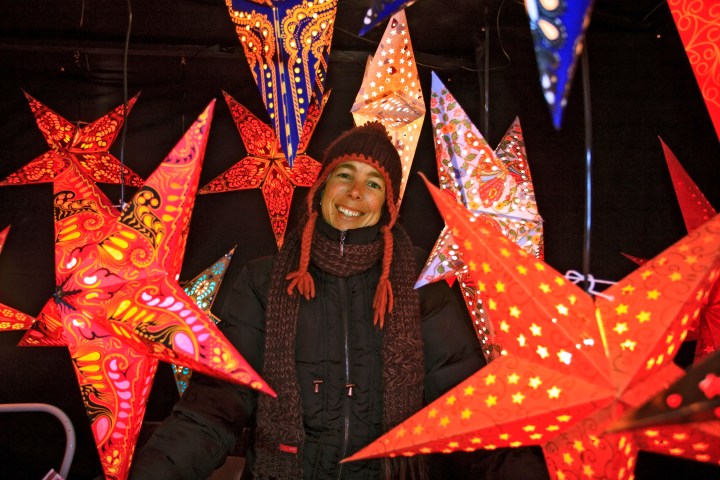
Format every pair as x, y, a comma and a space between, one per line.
202, 289
287, 45
266, 167
495, 185
574, 365
11, 319
391, 93
87, 147
698, 22
118, 306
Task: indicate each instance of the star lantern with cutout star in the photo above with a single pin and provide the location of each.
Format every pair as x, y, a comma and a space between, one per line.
574, 364
265, 165
87, 146
391, 94
694, 398
558, 31
118, 306
287, 45
696, 210
203, 290
698, 23
495, 185
10, 318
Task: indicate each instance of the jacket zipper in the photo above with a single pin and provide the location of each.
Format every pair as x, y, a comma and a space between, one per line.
343, 234
342, 287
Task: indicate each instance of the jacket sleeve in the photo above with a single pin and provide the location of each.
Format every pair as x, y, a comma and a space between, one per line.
200, 432
452, 351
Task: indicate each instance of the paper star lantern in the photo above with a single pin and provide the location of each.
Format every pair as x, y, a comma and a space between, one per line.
695, 398
380, 10
10, 318
698, 23
88, 147
287, 45
391, 93
573, 365
118, 306
495, 185
266, 167
558, 31
696, 210
202, 289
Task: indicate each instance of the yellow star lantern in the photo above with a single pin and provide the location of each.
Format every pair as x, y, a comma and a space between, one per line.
574, 365
391, 94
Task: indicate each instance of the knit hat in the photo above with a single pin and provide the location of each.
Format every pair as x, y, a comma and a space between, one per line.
371, 144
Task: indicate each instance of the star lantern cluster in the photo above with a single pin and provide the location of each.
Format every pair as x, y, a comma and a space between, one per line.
575, 364
88, 147
265, 165
494, 185
118, 306
391, 94
287, 45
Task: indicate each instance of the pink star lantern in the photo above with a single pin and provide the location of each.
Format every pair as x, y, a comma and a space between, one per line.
202, 289
574, 365
88, 147
391, 94
496, 186
698, 22
287, 45
266, 167
118, 306
696, 210
10, 318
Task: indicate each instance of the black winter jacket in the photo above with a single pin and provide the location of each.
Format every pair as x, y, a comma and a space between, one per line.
338, 353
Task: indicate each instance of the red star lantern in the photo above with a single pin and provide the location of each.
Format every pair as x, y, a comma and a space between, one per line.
202, 289
10, 318
287, 45
87, 147
118, 306
574, 365
266, 167
495, 185
698, 22
391, 93
696, 210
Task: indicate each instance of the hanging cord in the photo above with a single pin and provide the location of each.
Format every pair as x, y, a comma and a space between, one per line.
587, 108
125, 103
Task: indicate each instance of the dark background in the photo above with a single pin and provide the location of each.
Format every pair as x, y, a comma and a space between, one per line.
69, 55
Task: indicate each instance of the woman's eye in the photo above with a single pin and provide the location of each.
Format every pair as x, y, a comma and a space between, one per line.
374, 185
343, 175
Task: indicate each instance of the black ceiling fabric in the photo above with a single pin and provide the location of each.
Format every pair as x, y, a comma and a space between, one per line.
183, 53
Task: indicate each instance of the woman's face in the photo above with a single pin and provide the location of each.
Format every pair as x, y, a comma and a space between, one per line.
353, 196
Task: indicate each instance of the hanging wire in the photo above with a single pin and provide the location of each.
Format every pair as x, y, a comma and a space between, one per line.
587, 109
125, 103
486, 93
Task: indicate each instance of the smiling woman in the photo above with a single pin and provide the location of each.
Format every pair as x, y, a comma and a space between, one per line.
353, 196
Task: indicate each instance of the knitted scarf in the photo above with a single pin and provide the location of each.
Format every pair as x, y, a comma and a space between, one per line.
280, 436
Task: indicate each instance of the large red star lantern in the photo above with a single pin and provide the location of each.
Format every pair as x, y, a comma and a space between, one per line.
10, 318
391, 93
495, 185
118, 305
573, 365
696, 210
698, 22
266, 167
203, 290
287, 45
87, 146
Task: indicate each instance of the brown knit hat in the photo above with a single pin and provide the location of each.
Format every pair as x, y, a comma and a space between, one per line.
369, 143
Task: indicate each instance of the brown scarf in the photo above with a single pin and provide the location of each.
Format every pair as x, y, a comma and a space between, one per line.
280, 436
